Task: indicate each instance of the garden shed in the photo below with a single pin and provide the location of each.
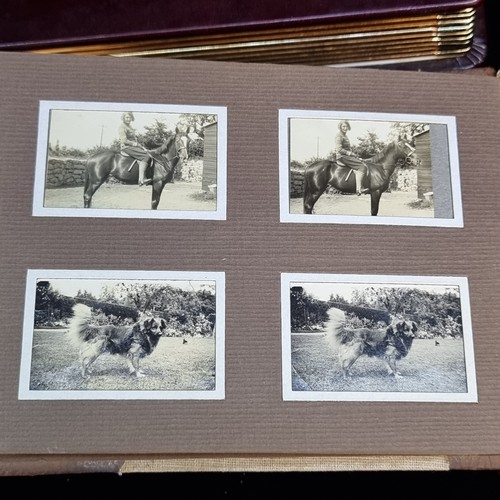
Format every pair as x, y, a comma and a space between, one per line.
424, 165
209, 176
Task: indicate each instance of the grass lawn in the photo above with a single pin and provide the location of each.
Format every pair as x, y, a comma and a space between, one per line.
173, 366
427, 368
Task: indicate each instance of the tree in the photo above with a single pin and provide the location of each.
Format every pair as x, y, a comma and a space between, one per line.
296, 165
143, 296
406, 131
197, 121
114, 146
84, 295
306, 311
54, 305
44, 295
186, 311
368, 145
155, 134
438, 313
337, 299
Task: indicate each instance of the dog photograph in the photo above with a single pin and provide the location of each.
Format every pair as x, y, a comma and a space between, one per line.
377, 338
123, 335
133, 342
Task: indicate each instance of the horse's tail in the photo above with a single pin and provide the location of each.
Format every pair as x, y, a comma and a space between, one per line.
306, 190
87, 176
307, 181
305, 184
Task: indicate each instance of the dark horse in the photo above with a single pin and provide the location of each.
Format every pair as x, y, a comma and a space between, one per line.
109, 163
323, 173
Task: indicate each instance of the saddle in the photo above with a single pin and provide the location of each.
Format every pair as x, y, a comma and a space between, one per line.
126, 155
133, 164
340, 163
154, 159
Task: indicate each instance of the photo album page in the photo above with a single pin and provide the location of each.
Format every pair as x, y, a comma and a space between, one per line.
210, 259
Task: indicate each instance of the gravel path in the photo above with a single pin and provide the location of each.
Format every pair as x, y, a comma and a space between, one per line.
175, 196
394, 204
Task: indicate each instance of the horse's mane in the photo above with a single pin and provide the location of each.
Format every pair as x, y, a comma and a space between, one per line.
382, 155
170, 140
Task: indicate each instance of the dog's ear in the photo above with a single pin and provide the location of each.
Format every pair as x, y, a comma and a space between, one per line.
147, 324
390, 329
403, 326
163, 324
414, 327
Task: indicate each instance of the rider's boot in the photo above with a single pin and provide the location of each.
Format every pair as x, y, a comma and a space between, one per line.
360, 177
143, 165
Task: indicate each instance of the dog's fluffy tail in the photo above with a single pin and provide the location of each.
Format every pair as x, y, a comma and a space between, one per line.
79, 325
335, 327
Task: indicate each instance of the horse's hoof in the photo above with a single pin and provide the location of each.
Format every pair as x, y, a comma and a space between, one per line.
145, 182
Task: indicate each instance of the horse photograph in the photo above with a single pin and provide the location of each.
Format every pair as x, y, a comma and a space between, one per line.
336, 167
123, 167
109, 159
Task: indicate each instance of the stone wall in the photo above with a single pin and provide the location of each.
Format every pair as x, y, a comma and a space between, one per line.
403, 180
65, 172
296, 183
70, 172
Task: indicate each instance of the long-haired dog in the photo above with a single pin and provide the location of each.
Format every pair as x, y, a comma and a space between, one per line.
134, 342
389, 344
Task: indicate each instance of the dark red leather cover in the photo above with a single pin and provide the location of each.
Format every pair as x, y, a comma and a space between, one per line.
30, 24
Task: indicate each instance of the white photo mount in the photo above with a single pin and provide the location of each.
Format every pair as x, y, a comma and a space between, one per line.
304, 354
85, 124
62, 385
306, 136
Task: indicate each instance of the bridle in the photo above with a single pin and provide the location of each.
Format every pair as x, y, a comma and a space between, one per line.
408, 151
183, 147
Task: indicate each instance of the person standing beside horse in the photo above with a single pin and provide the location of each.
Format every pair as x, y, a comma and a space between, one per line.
130, 146
346, 156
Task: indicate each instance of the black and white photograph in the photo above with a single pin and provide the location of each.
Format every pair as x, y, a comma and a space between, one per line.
123, 335
377, 338
369, 168
130, 160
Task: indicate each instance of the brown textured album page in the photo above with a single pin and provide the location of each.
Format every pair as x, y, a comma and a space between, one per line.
247, 290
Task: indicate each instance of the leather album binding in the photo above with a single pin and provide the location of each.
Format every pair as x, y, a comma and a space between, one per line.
426, 34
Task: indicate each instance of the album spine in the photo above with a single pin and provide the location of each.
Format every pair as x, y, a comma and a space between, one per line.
29, 25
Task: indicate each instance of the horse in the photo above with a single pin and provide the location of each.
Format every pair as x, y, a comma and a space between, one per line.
102, 165
323, 173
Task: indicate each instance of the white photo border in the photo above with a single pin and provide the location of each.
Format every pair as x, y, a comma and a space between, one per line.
285, 115
471, 396
25, 393
45, 107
